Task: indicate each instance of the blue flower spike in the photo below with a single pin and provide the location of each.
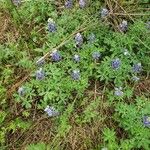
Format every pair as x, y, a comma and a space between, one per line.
104, 12
21, 91
137, 68
82, 3
146, 121
91, 38
51, 111
123, 26
96, 55
16, 2
118, 91
51, 25
116, 63
56, 56
68, 4
75, 74
76, 58
40, 74
78, 39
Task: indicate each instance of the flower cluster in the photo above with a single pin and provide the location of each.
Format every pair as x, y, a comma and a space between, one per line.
51, 112
118, 91
123, 26
56, 56
96, 55
68, 4
82, 3
91, 38
116, 63
146, 121
75, 74
21, 91
40, 74
16, 2
76, 58
137, 68
78, 39
104, 12
51, 25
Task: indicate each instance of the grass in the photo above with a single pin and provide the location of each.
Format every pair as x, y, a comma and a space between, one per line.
90, 116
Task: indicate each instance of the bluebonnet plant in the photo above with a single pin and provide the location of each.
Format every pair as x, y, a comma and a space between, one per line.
78, 39
68, 4
91, 38
21, 91
40, 74
104, 12
40, 61
51, 111
82, 3
135, 78
96, 55
75, 74
56, 56
118, 91
16, 2
76, 58
137, 68
51, 25
146, 121
123, 26
116, 63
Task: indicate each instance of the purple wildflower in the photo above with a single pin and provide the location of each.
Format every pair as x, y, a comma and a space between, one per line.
40, 74
56, 56
137, 68
104, 12
75, 74
91, 38
118, 91
68, 4
146, 121
96, 55
16, 2
116, 63
76, 58
51, 111
123, 26
21, 91
51, 25
82, 3
78, 39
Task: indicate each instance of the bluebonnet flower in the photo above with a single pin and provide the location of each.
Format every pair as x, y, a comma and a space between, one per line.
104, 12
51, 111
91, 38
146, 121
137, 67
51, 25
78, 39
68, 4
56, 56
116, 63
82, 3
21, 91
76, 58
118, 91
40, 61
96, 55
123, 26
135, 78
148, 25
75, 74
40, 74
16, 2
